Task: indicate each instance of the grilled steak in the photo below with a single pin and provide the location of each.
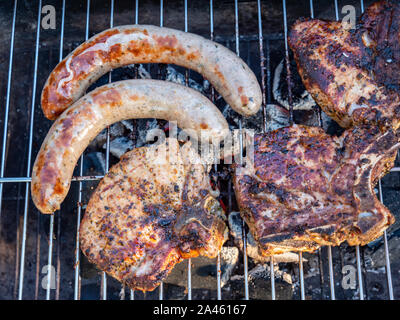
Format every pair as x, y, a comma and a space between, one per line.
306, 188
353, 74
148, 214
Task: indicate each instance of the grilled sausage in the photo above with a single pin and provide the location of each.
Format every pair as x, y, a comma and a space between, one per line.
72, 132
125, 45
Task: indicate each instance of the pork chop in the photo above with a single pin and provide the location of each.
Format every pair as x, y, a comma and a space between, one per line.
306, 188
353, 74
149, 213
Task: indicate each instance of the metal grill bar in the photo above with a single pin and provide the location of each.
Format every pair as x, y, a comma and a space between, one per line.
385, 241
244, 237
331, 278
319, 111
78, 222
28, 179
137, 12
186, 16
272, 265
219, 293
51, 232
28, 169
388, 268
189, 263
161, 13
104, 275
50, 257
58, 249
336, 10
77, 282
387, 256
262, 68
161, 287
302, 293
359, 273
77, 286
161, 291
268, 76
5, 129
90, 178
37, 256
132, 292
330, 260
288, 77
189, 280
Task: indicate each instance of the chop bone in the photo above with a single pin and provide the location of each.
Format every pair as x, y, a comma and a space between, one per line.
372, 214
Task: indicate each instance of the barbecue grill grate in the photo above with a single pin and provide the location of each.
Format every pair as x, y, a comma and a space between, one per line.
265, 74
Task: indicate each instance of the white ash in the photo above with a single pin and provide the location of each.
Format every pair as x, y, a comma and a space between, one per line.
206, 85
101, 159
237, 277
326, 120
142, 132
229, 259
303, 101
378, 270
253, 122
313, 268
119, 146
264, 271
128, 124
116, 130
143, 73
177, 77
277, 117
122, 293
235, 226
232, 117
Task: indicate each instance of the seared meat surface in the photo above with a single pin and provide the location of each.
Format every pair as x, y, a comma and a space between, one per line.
149, 213
306, 188
353, 74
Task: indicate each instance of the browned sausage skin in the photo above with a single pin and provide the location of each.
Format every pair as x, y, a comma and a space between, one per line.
72, 132
130, 44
